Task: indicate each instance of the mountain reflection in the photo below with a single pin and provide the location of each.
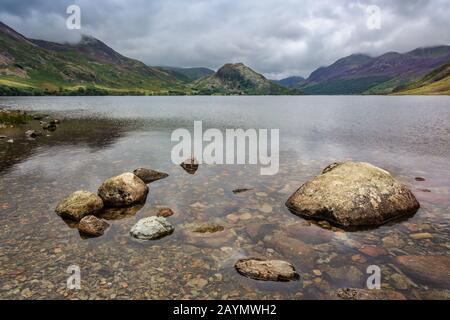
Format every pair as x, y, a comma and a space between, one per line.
95, 134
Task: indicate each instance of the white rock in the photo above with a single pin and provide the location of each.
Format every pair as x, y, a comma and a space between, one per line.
151, 228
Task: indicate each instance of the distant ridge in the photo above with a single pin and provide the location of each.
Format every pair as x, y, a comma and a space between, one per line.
362, 74
91, 67
290, 82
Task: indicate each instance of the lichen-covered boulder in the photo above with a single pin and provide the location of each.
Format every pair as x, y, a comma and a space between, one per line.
151, 228
353, 194
149, 176
78, 205
124, 190
92, 226
266, 270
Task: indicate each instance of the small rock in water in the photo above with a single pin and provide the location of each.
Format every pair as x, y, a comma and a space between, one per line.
210, 236
420, 179
353, 194
124, 190
10, 141
164, 212
190, 165
92, 226
367, 294
209, 228
434, 269
32, 133
266, 208
373, 251
3, 137
266, 270
198, 283
151, 228
309, 234
421, 236
346, 274
149, 176
79, 204
242, 190
48, 126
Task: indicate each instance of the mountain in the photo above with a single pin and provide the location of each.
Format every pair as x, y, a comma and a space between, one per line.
238, 79
40, 66
362, 74
436, 82
290, 82
190, 74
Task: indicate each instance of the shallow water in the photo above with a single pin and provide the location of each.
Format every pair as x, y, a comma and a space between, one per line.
101, 137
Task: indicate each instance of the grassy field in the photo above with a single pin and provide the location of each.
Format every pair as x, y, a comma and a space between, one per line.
441, 87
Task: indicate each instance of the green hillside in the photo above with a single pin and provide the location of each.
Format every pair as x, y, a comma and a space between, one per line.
37, 67
435, 83
238, 79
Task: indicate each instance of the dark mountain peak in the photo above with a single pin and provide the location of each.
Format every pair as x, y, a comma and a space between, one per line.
87, 40
237, 67
340, 67
98, 50
356, 57
237, 78
10, 32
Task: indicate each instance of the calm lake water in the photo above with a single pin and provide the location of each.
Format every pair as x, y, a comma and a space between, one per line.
101, 137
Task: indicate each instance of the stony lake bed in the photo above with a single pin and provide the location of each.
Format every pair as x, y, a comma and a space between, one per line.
214, 227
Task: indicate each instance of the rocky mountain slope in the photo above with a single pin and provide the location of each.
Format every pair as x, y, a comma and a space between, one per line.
42, 66
362, 74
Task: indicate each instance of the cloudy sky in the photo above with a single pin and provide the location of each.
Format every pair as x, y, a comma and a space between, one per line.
277, 38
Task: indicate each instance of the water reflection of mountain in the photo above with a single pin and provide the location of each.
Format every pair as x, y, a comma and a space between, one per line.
95, 134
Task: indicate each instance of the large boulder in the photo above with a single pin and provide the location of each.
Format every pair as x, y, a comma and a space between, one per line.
124, 190
78, 205
266, 270
151, 228
148, 175
353, 194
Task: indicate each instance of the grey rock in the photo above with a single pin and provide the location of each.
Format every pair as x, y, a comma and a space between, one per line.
353, 194
151, 228
266, 270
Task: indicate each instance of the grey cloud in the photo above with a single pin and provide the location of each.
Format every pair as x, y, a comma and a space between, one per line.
292, 37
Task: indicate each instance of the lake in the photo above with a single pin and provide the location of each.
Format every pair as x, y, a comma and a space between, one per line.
101, 137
